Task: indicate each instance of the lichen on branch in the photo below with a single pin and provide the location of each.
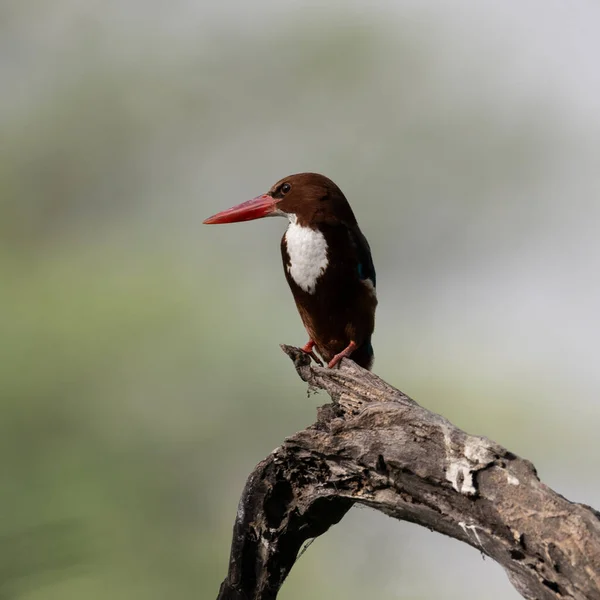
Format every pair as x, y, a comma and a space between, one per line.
375, 446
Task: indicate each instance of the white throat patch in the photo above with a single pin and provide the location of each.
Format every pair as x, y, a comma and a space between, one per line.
307, 249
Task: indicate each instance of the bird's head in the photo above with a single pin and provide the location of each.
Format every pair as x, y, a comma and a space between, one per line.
308, 198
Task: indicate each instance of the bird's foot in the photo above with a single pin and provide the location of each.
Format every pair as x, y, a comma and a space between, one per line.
308, 349
346, 352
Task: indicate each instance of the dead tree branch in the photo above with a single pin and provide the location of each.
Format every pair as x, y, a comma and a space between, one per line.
375, 446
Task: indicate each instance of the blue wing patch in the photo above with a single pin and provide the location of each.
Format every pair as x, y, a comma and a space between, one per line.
366, 269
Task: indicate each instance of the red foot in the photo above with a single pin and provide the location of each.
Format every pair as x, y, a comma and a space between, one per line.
347, 351
308, 348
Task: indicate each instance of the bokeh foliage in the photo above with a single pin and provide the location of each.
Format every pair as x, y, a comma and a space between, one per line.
140, 377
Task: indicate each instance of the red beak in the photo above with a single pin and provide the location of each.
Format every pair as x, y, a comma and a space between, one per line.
261, 206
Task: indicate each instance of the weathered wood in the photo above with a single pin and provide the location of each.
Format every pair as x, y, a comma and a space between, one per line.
375, 446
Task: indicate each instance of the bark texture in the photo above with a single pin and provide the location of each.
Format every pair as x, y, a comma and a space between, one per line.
376, 446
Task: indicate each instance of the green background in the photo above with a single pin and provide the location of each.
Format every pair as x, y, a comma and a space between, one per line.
140, 374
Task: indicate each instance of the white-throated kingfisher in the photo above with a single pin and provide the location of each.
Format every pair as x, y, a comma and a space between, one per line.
327, 263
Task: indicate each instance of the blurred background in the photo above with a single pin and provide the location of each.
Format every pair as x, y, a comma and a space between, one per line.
140, 374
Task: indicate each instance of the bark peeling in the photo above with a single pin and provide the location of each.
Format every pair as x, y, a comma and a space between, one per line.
375, 446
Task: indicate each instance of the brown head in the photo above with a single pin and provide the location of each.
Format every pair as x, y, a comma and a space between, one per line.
308, 197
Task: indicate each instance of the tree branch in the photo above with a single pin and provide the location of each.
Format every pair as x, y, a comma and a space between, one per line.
375, 446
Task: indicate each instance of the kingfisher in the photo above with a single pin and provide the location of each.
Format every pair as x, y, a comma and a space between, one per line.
327, 263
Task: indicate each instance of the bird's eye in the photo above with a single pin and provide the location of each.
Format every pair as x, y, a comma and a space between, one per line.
285, 188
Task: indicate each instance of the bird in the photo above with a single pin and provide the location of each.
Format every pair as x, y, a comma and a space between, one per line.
327, 263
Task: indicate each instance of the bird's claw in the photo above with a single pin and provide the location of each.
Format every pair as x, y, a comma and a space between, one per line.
344, 353
315, 358
308, 349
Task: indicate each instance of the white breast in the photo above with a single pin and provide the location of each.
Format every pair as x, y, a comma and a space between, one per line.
307, 249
